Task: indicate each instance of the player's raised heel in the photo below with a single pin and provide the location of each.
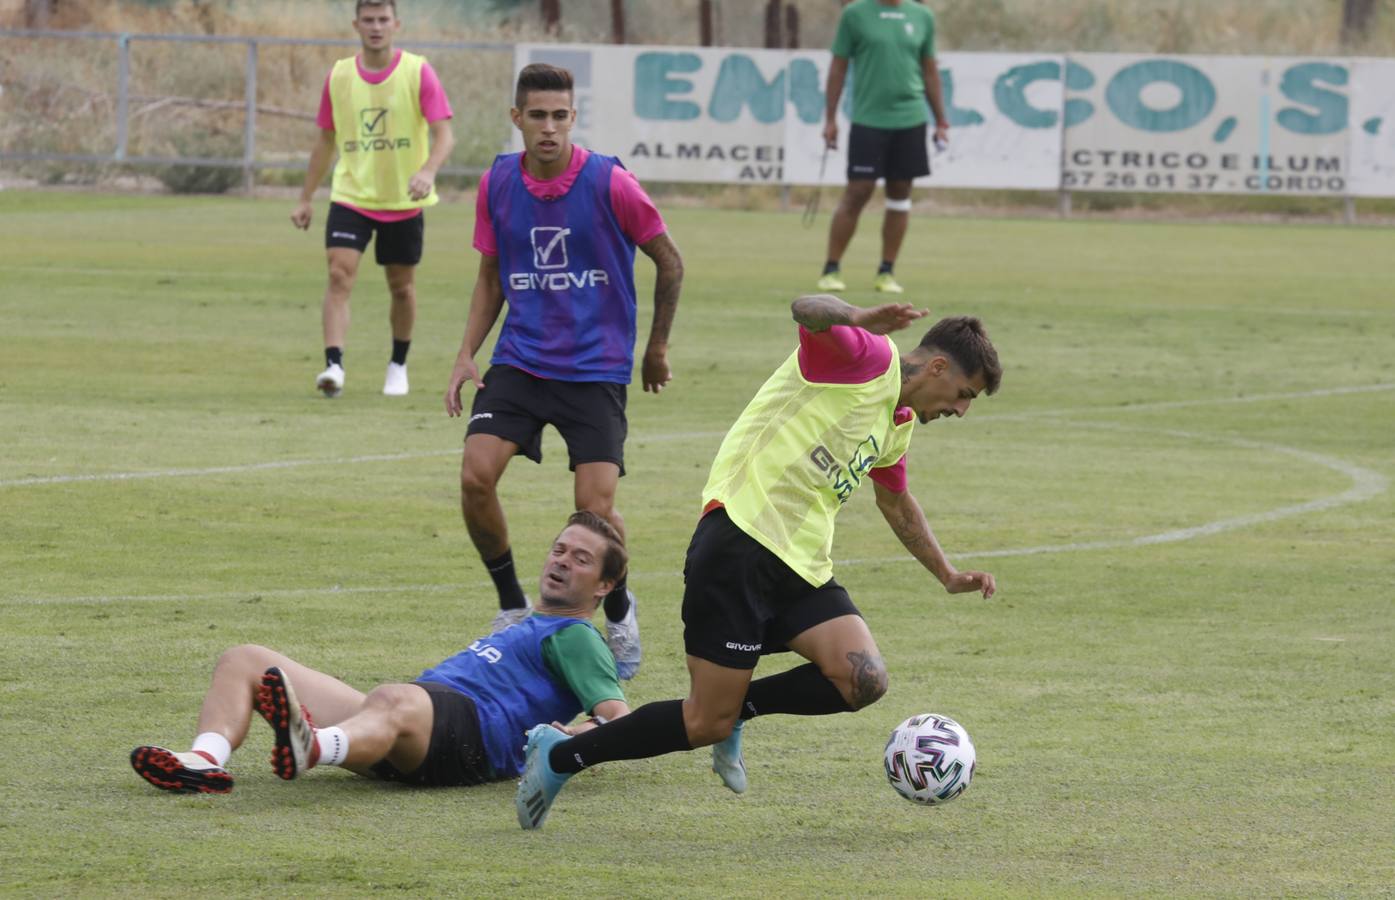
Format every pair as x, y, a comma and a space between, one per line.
728, 762
506, 617
187, 773
623, 640
539, 785
296, 749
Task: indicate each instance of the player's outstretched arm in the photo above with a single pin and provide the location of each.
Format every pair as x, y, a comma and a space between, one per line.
486, 301
605, 711
820, 312
320, 158
668, 283
903, 513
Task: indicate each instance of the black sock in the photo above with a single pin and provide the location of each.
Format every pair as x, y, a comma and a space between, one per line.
399, 351
334, 356
802, 691
830, 267
506, 581
652, 730
886, 267
617, 602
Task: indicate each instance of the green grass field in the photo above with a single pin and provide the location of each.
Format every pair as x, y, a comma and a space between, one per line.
1184, 686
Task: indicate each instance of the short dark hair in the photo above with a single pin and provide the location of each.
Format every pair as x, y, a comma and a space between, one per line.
965, 341
358, 7
616, 560
540, 77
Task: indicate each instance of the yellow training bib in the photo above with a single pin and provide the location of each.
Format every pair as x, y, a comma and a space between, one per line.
798, 452
382, 135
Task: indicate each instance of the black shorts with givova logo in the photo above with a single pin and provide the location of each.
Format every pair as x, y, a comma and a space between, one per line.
399, 243
590, 415
742, 602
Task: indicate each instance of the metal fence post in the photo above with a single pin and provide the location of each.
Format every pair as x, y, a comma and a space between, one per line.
249, 123
123, 93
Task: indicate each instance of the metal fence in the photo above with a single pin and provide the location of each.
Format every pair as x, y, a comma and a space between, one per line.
93, 99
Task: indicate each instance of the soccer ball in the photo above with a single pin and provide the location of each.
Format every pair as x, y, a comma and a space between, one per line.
929, 759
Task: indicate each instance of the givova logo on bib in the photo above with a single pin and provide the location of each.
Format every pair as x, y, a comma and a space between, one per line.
552, 262
374, 133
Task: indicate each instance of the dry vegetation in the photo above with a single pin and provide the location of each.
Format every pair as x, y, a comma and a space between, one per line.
186, 99
1167, 26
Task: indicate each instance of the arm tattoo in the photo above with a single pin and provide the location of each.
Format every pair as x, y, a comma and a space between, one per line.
820, 312
868, 678
668, 283
910, 530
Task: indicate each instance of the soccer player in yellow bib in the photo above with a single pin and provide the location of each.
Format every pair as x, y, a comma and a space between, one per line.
386, 115
759, 575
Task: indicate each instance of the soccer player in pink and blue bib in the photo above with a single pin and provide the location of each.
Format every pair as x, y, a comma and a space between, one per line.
557, 227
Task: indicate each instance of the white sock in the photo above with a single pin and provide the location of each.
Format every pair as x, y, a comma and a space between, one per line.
215, 745
334, 745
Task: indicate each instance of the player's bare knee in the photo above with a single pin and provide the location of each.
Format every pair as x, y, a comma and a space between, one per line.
474, 484
250, 658
392, 701
341, 278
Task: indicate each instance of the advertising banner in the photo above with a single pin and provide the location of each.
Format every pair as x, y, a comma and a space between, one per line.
1004, 117
678, 113
1373, 128
1224, 125
1084, 122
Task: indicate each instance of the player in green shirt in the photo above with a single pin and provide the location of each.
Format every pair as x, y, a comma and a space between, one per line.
891, 45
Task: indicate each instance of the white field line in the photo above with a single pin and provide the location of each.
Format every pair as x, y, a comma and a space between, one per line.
1365, 485
672, 437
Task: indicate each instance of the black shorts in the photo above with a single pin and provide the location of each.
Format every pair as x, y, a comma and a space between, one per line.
590, 415
896, 154
741, 602
398, 244
456, 754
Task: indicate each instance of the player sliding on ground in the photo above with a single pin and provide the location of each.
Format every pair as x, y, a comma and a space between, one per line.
839, 411
460, 723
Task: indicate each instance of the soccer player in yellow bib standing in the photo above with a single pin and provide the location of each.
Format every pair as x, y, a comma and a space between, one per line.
759, 578
386, 114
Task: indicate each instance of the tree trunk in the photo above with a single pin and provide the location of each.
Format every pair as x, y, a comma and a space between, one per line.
1356, 20
772, 24
792, 27
705, 23
552, 16
617, 21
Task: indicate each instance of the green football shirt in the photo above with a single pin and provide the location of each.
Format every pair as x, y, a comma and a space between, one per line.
886, 46
580, 658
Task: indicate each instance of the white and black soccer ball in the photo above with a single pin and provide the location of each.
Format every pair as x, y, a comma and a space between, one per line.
929, 759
